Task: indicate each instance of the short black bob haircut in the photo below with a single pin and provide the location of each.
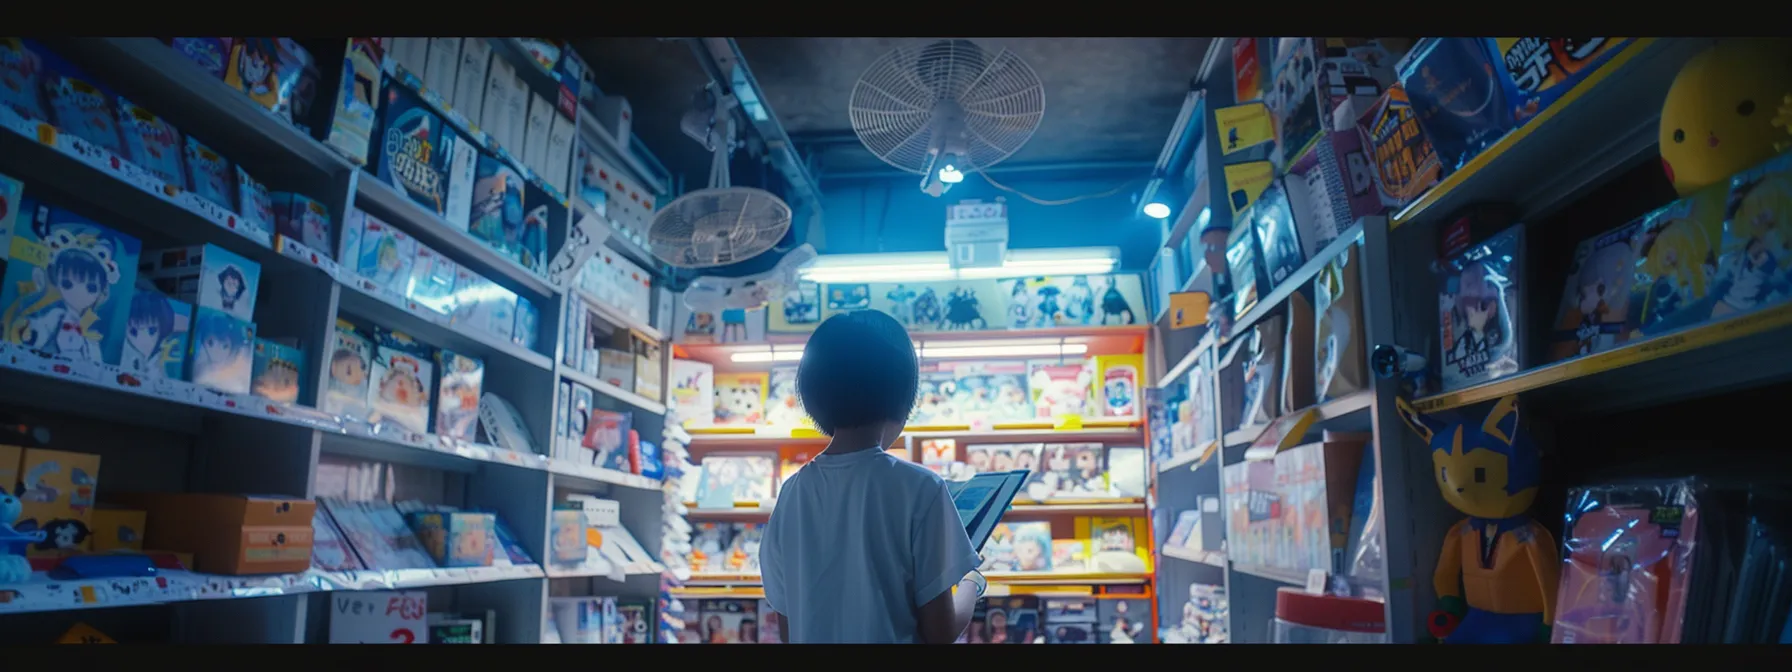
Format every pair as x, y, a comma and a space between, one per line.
858, 369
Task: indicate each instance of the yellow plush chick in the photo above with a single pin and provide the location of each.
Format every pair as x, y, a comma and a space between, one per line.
1723, 113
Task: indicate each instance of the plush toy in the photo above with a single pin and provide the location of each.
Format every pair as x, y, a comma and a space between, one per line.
1721, 112
13, 565
1496, 577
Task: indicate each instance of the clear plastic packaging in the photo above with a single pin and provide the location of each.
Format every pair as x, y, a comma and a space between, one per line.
1306, 618
1627, 562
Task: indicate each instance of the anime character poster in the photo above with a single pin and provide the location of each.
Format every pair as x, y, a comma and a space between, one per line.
67, 289
797, 310
1596, 298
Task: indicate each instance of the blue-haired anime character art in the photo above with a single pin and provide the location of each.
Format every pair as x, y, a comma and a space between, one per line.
222, 359
154, 335
61, 289
1496, 576
497, 215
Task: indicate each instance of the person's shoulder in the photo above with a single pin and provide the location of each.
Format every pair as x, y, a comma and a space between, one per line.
913, 475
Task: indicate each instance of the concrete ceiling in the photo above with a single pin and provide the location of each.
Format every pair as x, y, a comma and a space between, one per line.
1106, 99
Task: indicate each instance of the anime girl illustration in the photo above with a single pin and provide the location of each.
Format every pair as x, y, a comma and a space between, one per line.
400, 392
1020, 305
1079, 301
231, 286
251, 70
221, 358
57, 311
1086, 464
149, 343
1678, 257
1033, 549
1600, 298
1047, 309
1758, 254
962, 312
1475, 313
497, 205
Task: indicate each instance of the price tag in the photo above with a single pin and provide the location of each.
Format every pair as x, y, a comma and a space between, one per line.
381, 617
1316, 581
46, 134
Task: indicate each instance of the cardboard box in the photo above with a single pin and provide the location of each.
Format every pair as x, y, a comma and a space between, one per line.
469, 83
57, 490
118, 529
231, 534
494, 110
568, 545
444, 65
537, 124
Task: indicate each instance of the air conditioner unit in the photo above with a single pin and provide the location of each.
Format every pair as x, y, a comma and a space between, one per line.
977, 234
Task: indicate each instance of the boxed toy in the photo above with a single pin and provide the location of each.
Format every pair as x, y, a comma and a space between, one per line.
1243, 269
330, 551
222, 357
411, 54
528, 324
118, 530
1262, 373
531, 245
616, 367
1295, 99
351, 127
496, 216
1000, 391
56, 491
302, 219
1274, 224
354, 224
376, 531
256, 202
1677, 256
1631, 556
277, 371
207, 275
386, 256
402, 371
155, 343
590, 186
1403, 162
208, 174
443, 68
469, 83
415, 146
1537, 71
12, 202
1116, 384
81, 106
607, 437
494, 111
582, 401
252, 70
535, 133
455, 539
518, 117
457, 404
692, 397
211, 54
1757, 244
1339, 357
1596, 297
462, 175
1123, 621
558, 162
648, 367
231, 534
21, 90
431, 284
1354, 71
566, 527
152, 144
1478, 311
67, 287
1456, 96
351, 357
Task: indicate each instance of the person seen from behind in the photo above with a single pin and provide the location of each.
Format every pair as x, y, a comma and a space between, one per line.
865, 547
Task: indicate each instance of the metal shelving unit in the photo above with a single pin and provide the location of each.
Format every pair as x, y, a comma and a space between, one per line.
1603, 127
174, 436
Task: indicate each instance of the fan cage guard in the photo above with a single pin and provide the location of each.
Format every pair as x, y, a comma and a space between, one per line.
717, 227
894, 104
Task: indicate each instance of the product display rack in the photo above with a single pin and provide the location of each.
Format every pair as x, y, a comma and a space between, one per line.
1059, 511
1601, 132
172, 436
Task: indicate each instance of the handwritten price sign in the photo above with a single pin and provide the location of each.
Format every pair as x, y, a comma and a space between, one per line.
379, 617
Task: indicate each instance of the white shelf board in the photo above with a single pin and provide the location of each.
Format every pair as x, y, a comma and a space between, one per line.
42, 594
1213, 558
612, 391
616, 317
394, 207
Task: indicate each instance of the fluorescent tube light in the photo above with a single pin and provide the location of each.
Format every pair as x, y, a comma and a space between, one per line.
935, 267
1001, 351
766, 356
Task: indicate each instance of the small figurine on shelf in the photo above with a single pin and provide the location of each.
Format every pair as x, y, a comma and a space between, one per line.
13, 565
1496, 577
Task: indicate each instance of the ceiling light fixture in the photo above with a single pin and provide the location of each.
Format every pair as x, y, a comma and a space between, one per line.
1157, 210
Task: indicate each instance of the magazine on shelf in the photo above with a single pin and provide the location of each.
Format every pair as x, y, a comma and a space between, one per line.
983, 499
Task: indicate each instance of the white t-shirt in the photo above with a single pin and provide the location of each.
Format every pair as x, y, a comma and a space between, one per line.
857, 543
